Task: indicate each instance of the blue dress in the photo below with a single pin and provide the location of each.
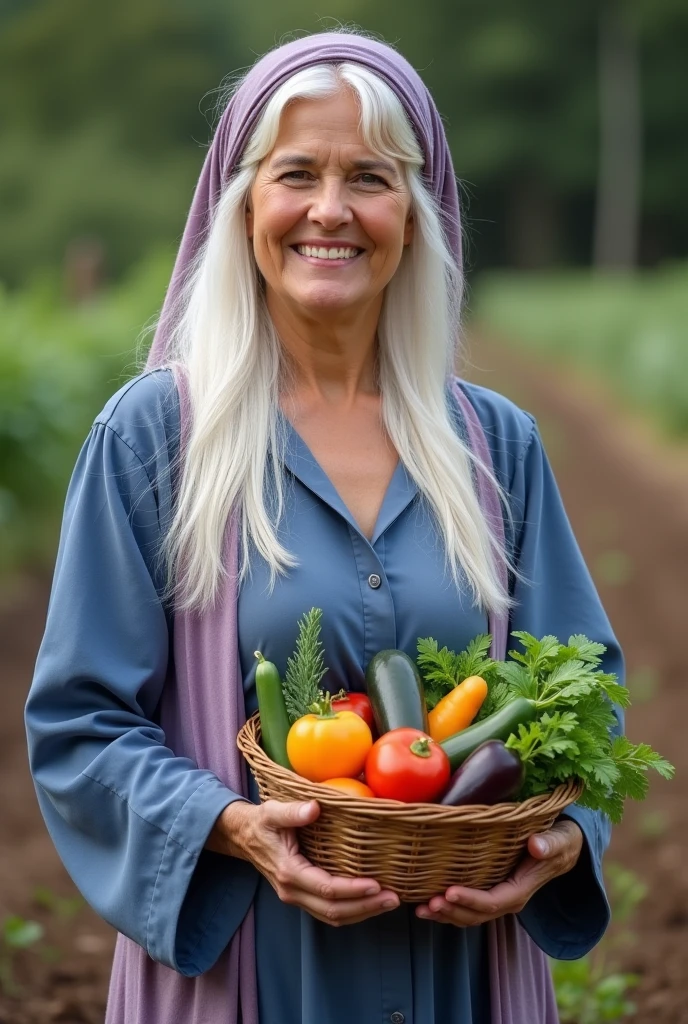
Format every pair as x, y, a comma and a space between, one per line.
91, 712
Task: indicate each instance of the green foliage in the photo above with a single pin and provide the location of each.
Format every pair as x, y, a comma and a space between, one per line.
593, 990
64, 907
99, 107
305, 668
572, 734
15, 934
442, 670
585, 995
58, 366
102, 131
627, 331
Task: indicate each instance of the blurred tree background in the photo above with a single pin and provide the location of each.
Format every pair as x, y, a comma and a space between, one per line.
568, 128
105, 111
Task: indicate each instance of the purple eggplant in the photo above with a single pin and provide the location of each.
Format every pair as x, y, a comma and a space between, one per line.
491, 774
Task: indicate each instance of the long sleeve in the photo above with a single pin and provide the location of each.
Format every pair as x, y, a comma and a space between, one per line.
569, 915
128, 817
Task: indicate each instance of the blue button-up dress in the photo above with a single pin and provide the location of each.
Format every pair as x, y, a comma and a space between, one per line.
91, 713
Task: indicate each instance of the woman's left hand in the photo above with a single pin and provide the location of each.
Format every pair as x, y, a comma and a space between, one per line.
551, 853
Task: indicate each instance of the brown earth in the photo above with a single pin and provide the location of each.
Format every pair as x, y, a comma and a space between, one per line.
627, 496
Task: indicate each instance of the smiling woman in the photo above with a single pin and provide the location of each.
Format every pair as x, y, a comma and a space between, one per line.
299, 440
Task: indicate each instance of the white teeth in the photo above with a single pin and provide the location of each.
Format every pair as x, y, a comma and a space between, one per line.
327, 254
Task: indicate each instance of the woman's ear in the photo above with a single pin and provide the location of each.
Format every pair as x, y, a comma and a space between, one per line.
249, 222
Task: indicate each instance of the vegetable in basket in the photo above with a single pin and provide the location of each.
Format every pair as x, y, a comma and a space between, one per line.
407, 764
359, 703
305, 668
499, 726
563, 723
396, 692
490, 775
327, 744
274, 721
354, 787
458, 709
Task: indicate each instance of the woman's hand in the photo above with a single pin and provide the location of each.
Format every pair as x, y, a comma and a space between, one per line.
265, 834
552, 853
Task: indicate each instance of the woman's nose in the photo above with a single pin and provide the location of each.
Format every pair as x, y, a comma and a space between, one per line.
330, 206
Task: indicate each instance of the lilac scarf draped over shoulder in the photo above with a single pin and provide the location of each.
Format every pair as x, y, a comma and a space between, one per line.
203, 703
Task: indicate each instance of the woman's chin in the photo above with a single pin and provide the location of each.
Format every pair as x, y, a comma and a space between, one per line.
330, 301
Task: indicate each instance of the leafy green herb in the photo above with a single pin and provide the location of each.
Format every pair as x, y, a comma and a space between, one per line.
573, 734
442, 670
305, 668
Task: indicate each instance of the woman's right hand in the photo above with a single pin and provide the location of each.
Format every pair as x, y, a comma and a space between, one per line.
265, 834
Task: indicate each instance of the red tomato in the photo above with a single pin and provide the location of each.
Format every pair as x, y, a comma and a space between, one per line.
406, 764
359, 703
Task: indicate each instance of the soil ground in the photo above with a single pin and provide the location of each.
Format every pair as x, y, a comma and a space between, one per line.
627, 497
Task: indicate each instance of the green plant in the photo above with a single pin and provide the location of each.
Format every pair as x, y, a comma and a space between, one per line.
64, 907
625, 331
594, 990
15, 934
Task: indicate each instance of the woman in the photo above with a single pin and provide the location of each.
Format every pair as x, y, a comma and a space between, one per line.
299, 441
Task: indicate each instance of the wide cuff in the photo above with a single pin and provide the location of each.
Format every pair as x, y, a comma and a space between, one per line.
568, 916
207, 894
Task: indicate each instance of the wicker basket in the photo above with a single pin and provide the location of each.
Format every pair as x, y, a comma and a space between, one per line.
416, 850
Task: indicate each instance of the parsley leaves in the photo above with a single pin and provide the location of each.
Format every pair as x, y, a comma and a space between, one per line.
575, 732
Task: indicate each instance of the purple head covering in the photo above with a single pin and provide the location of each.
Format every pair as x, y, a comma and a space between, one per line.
244, 109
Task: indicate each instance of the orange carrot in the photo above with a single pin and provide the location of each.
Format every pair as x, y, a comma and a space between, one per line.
457, 709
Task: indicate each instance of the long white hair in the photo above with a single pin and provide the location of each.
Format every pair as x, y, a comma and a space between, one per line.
225, 341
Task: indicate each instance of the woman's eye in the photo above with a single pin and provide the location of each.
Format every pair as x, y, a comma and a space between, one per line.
296, 176
371, 179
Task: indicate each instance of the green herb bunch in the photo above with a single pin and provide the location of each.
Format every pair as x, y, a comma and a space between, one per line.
305, 668
575, 732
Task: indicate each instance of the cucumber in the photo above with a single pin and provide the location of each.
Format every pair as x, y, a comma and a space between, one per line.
274, 721
396, 692
498, 726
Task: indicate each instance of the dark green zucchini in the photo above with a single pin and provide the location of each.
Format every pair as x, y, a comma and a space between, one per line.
396, 692
498, 726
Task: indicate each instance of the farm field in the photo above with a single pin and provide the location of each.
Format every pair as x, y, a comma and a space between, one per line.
628, 501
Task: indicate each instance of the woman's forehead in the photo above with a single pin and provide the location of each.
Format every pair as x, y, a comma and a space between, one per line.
312, 131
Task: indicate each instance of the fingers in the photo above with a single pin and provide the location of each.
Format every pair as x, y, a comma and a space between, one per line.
553, 853
289, 815
306, 877
564, 839
343, 912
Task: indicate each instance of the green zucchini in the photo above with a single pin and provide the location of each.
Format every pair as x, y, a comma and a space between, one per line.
396, 692
274, 721
498, 726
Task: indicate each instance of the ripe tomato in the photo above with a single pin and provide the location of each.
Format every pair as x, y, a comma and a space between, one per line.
359, 703
351, 786
328, 744
406, 764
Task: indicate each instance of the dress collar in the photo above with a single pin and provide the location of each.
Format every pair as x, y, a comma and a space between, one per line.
300, 461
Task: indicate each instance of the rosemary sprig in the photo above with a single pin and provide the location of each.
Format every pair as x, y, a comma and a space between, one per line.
305, 668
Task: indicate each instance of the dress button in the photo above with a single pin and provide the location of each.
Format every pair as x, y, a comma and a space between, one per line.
397, 1018
374, 581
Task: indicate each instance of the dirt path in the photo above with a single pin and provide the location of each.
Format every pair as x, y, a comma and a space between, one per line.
629, 508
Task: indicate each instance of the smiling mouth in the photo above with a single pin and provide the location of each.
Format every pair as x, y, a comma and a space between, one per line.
323, 253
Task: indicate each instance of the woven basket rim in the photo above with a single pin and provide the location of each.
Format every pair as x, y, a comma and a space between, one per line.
380, 808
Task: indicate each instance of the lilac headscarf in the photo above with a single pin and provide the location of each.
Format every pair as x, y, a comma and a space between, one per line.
244, 109
202, 706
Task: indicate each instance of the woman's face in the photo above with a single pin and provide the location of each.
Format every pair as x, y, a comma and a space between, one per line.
328, 217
